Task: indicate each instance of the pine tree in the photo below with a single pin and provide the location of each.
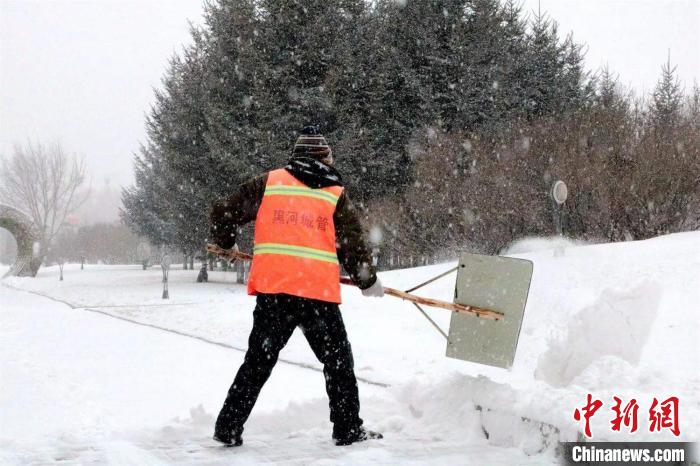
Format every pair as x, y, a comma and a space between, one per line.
295, 47
377, 96
169, 200
182, 141
693, 108
145, 207
508, 85
229, 103
554, 80
666, 100
378, 80
541, 69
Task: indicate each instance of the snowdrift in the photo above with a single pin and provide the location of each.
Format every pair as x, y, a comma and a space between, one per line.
608, 319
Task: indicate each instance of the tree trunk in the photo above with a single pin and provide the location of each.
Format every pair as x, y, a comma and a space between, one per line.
240, 272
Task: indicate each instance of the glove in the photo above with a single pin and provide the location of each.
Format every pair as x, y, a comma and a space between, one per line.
235, 249
374, 291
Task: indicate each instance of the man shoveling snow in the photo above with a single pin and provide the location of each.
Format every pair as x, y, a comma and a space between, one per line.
305, 227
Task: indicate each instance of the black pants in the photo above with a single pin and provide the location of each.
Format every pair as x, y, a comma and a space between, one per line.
275, 318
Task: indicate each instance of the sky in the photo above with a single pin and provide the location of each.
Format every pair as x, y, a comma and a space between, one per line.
82, 73
632, 37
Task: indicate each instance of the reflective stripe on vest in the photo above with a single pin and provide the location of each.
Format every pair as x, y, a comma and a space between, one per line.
298, 251
294, 250
301, 191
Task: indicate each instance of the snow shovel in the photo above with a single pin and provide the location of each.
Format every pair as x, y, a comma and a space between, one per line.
456, 308
494, 282
500, 284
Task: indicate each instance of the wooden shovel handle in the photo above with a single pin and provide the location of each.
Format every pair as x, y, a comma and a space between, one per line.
228, 253
454, 307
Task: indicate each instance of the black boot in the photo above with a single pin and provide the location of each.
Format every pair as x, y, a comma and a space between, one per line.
230, 439
359, 434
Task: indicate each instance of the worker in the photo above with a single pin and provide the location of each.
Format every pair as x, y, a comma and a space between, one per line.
305, 229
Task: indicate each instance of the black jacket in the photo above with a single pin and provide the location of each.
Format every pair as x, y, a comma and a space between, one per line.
242, 207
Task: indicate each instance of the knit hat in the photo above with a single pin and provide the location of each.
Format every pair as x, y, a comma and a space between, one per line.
311, 143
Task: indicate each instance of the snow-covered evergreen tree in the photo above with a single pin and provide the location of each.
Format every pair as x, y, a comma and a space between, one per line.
375, 78
146, 209
666, 100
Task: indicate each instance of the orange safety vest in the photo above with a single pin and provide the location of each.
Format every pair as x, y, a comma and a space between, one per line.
294, 250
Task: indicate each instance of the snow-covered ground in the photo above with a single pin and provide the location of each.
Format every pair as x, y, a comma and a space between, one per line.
78, 385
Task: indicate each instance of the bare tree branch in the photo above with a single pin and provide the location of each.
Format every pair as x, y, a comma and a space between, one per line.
44, 182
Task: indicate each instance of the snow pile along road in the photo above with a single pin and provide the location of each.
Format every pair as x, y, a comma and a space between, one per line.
609, 320
615, 327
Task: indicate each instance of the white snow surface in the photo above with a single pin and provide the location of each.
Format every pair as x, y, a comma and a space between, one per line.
79, 386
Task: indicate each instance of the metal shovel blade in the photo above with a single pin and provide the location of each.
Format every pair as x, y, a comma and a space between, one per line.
492, 282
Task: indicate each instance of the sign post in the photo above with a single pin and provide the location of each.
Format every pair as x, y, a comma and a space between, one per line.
165, 266
559, 194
